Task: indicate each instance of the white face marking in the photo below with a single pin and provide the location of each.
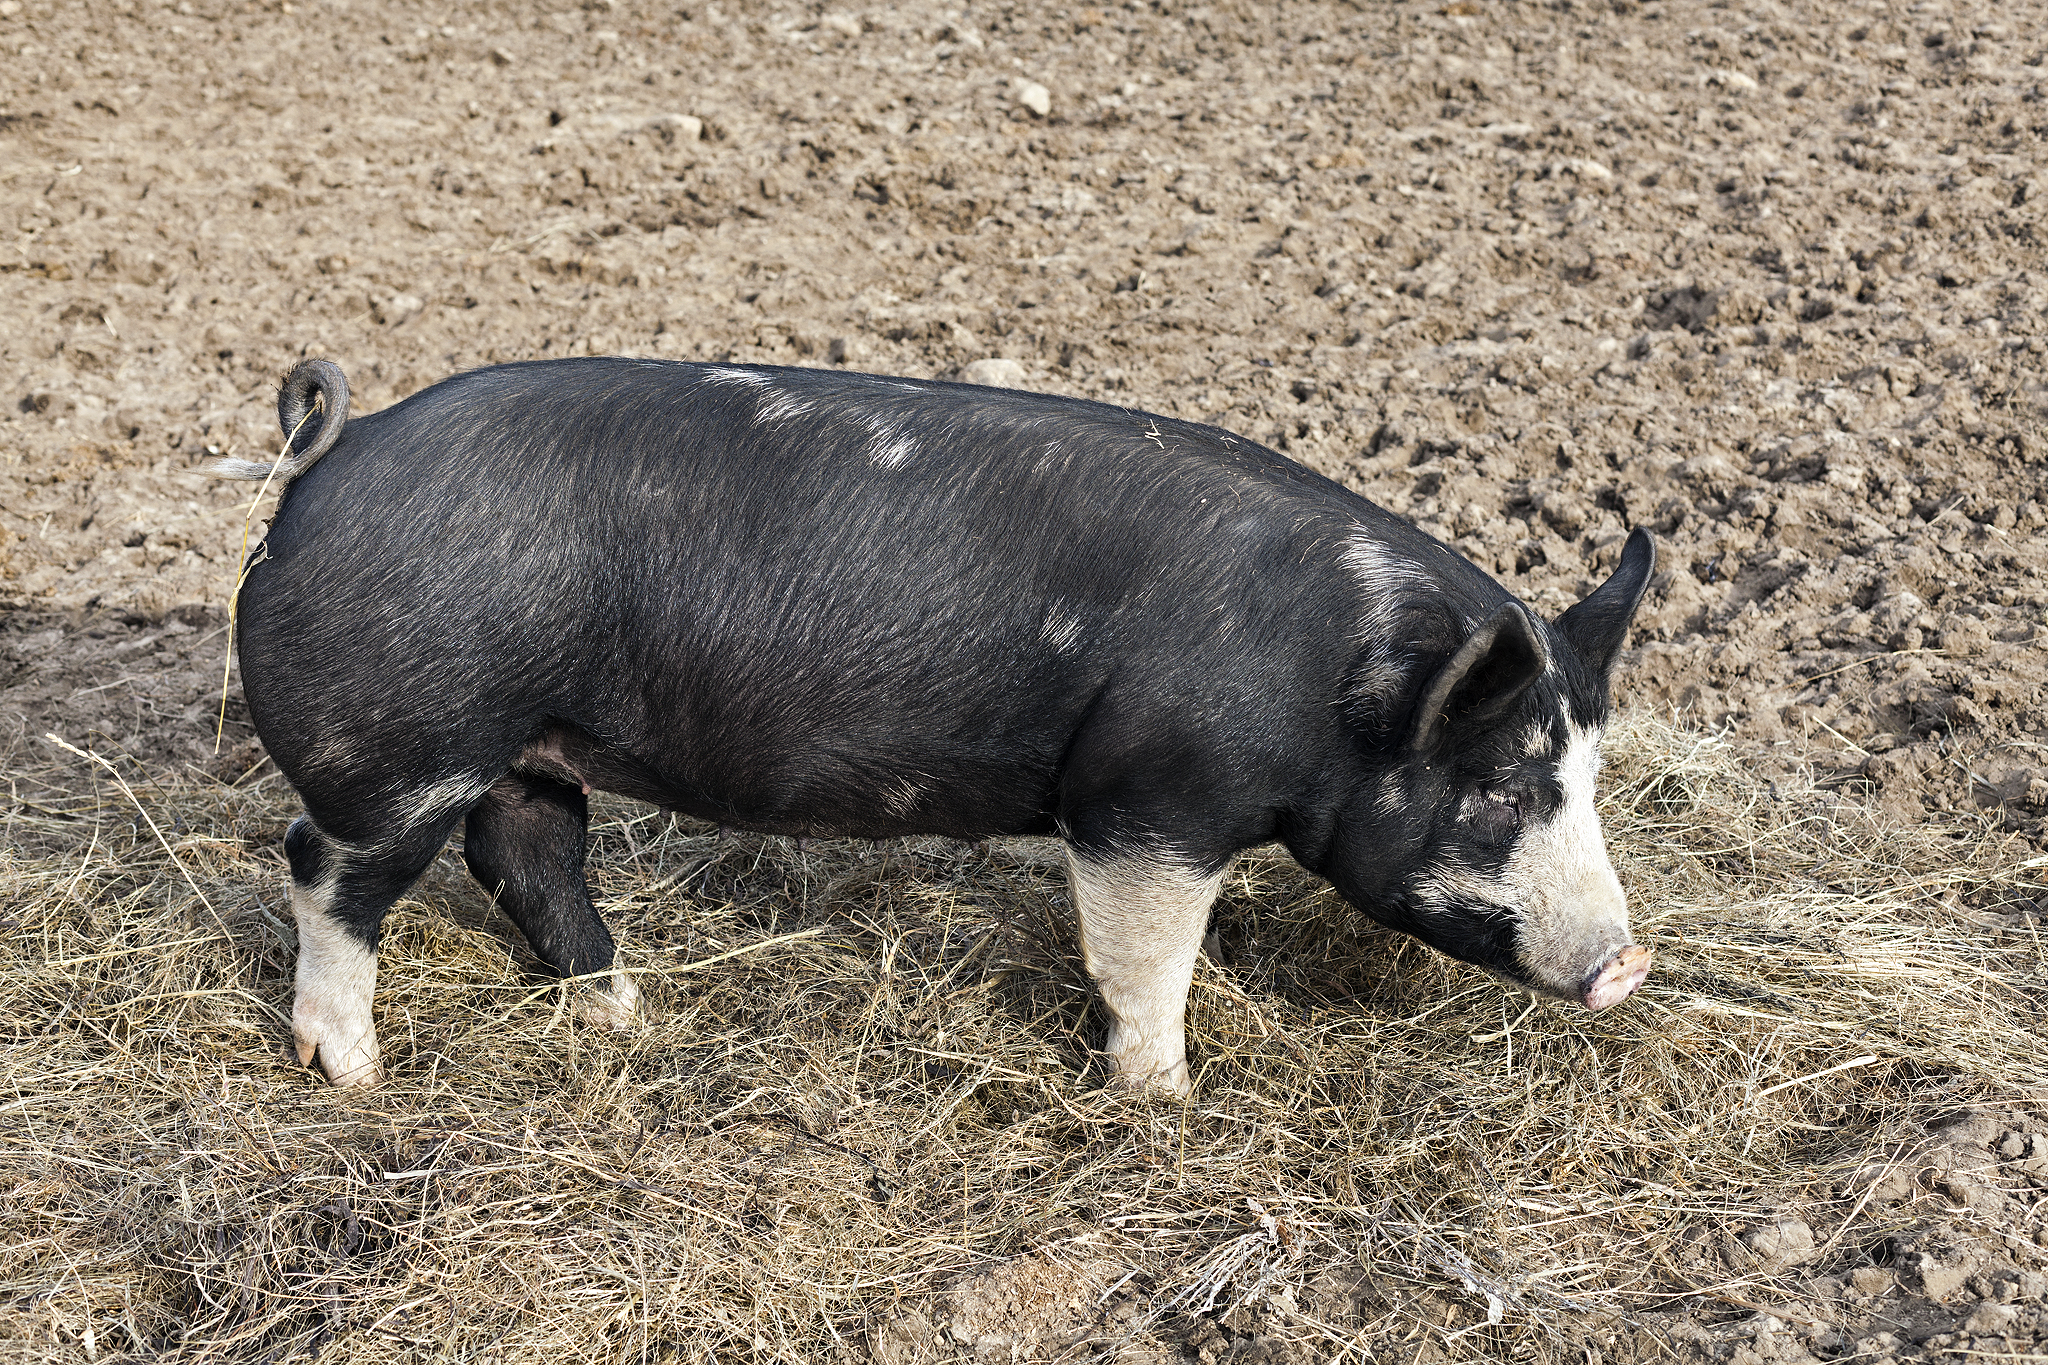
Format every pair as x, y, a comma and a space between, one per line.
1389, 801
1062, 629
1573, 913
335, 981
1570, 913
1142, 920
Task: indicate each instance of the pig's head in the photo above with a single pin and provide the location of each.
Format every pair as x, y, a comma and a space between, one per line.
1472, 825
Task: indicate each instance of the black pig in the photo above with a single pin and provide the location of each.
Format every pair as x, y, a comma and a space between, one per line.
813, 603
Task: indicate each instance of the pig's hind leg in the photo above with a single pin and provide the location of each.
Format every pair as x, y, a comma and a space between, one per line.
525, 844
1142, 920
340, 893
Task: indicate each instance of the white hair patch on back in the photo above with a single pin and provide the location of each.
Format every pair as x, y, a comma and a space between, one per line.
780, 406
888, 449
885, 444
739, 378
776, 403
1062, 629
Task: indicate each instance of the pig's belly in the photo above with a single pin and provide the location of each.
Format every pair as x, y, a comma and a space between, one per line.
755, 783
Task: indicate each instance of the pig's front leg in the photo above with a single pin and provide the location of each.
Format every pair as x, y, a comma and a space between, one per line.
1142, 920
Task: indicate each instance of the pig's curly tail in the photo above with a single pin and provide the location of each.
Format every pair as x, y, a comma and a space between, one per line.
310, 382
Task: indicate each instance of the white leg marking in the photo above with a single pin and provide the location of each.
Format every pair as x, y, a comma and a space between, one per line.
336, 979
1142, 919
613, 1004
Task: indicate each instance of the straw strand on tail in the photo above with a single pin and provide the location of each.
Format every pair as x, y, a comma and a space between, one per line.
311, 382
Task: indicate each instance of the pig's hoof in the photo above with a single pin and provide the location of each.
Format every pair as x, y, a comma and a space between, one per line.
347, 1050
1173, 1080
1617, 977
615, 1006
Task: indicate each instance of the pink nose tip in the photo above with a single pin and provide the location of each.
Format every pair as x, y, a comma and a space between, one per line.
1617, 978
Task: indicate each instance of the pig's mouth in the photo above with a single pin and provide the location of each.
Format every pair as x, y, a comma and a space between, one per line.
1616, 979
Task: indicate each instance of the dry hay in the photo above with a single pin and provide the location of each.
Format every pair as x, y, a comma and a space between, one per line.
870, 1076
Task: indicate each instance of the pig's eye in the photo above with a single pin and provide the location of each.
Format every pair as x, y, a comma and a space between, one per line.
1497, 815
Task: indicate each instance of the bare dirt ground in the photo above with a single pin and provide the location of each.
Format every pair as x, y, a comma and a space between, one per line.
1766, 277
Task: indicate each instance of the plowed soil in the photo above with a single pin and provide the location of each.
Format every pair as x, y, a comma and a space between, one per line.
1766, 276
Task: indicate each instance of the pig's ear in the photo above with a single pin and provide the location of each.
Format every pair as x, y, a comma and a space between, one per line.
1597, 628
1484, 679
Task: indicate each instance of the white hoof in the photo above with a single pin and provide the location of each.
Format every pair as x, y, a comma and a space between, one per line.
343, 1037
614, 1005
1172, 1078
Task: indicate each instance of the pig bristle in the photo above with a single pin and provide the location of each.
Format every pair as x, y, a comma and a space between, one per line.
863, 1078
235, 467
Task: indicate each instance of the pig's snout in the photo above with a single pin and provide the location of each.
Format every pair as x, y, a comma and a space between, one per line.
1617, 978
